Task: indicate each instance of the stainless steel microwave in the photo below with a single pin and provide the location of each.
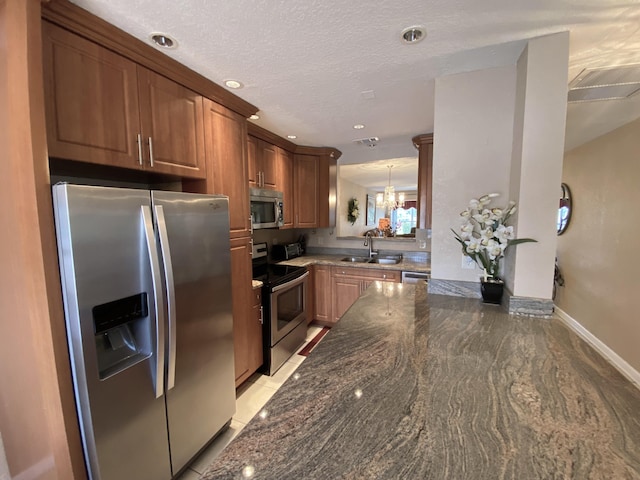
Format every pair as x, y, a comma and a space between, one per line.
266, 208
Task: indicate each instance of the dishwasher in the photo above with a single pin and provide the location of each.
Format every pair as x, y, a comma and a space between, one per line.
415, 277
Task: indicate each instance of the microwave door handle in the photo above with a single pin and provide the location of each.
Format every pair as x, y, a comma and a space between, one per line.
158, 370
171, 293
292, 283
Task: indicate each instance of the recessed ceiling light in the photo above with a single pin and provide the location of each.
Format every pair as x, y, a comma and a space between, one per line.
163, 40
413, 34
235, 84
254, 117
292, 137
358, 126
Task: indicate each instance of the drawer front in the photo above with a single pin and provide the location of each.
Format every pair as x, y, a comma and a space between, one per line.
369, 273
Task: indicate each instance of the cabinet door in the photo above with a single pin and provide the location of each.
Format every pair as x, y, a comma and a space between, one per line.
285, 183
322, 293
424, 143
172, 126
254, 162
91, 97
345, 291
327, 185
256, 357
305, 184
226, 134
269, 166
247, 336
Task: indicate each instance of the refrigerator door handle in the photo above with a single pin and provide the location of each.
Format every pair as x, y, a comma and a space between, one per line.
171, 294
158, 371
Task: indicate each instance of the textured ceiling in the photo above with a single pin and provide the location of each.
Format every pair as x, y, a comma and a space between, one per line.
306, 63
375, 175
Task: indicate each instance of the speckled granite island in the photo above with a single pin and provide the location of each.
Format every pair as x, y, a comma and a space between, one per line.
416, 386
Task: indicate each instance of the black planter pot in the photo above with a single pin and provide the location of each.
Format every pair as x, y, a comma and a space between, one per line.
492, 290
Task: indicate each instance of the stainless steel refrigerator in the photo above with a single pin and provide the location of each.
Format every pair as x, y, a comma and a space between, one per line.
147, 298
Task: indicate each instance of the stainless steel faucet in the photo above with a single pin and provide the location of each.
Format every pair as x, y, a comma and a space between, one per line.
368, 241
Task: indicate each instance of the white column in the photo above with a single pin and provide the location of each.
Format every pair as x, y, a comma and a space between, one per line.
536, 163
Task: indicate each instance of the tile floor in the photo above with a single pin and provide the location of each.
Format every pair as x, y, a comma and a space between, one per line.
250, 398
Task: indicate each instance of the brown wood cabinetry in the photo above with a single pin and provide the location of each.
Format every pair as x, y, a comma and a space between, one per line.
424, 144
256, 353
285, 184
103, 108
171, 125
327, 188
345, 290
322, 294
262, 164
225, 133
349, 283
247, 329
305, 185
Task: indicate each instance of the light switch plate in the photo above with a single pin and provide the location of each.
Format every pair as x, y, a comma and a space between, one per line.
468, 263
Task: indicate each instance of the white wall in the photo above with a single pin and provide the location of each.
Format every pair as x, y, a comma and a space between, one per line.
473, 135
598, 254
346, 191
502, 130
536, 167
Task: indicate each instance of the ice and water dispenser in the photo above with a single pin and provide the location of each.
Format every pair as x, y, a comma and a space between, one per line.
122, 333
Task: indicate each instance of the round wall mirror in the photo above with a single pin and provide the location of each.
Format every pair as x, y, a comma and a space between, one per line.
564, 210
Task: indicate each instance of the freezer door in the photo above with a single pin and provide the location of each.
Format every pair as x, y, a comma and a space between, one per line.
111, 317
194, 237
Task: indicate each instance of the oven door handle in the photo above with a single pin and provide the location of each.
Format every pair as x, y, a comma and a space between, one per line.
291, 283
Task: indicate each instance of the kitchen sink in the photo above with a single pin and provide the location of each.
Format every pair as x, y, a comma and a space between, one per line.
386, 260
356, 259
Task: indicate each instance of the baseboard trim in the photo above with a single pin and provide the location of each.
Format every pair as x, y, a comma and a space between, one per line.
612, 357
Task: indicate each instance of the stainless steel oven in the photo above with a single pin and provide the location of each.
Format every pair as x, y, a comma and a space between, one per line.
284, 302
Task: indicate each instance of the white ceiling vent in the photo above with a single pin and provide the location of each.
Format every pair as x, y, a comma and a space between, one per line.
607, 83
368, 142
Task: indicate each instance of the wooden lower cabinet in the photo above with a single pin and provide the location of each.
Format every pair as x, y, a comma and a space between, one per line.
337, 288
247, 328
322, 294
345, 291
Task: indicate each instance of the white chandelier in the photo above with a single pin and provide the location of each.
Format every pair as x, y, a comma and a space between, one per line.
388, 198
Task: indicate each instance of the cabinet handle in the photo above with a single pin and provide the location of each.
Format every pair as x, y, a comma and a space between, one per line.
384, 276
251, 223
140, 149
261, 315
150, 151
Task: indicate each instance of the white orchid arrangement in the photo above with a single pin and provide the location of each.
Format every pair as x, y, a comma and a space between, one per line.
484, 235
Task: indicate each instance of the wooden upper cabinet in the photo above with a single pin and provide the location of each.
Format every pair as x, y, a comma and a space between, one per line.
172, 126
91, 101
424, 144
269, 166
226, 133
327, 190
285, 183
252, 155
263, 164
98, 103
305, 185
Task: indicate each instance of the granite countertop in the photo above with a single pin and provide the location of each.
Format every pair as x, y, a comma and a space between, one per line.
421, 386
256, 284
335, 260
